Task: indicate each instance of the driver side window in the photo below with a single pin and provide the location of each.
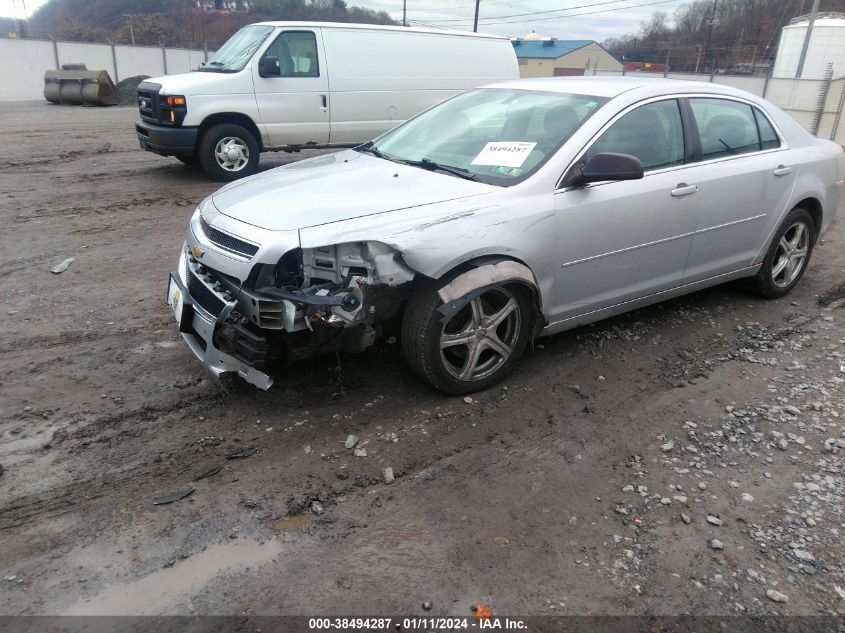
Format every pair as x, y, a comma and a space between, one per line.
653, 133
297, 54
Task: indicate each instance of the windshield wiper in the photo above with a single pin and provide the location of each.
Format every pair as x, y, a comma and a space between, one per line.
427, 163
370, 148
728, 147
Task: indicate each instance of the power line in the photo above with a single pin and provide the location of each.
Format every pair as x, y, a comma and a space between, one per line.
581, 6
547, 17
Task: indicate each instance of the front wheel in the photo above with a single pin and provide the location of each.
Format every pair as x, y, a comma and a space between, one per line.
228, 151
788, 255
476, 347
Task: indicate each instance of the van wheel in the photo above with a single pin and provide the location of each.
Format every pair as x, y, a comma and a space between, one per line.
788, 255
228, 151
477, 346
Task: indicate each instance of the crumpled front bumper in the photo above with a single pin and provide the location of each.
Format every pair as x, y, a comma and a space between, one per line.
198, 329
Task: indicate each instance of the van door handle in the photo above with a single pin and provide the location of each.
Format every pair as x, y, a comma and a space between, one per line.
683, 189
324, 102
782, 170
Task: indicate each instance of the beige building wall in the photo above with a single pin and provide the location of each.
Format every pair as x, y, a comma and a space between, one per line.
575, 60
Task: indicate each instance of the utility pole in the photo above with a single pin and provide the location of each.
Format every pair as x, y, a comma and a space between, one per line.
475, 23
131, 30
404, 12
698, 59
710, 25
807, 36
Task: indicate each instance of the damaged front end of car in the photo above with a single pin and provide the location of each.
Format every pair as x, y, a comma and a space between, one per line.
243, 307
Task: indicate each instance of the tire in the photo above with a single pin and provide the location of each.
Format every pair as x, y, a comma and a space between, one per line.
447, 369
788, 255
242, 159
191, 161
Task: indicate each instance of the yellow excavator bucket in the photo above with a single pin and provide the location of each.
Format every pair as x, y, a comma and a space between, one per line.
75, 84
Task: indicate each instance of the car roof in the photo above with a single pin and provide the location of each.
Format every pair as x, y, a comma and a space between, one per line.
615, 86
378, 27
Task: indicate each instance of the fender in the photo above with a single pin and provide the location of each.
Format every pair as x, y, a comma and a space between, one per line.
474, 282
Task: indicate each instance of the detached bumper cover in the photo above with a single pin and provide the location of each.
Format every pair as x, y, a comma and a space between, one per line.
166, 141
218, 344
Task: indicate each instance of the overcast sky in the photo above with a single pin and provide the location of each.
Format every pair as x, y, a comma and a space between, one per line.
564, 19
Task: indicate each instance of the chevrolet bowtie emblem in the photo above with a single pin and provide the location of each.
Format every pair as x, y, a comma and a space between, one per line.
198, 252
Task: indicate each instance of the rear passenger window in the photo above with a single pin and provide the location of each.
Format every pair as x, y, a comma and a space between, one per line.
726, 128
653, 133
768, 137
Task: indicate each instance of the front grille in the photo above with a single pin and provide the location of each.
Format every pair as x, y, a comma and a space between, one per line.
203, 295
148, 101
146, 105
226, 241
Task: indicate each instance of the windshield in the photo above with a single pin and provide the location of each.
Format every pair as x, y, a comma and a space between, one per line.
496, 136
238, 49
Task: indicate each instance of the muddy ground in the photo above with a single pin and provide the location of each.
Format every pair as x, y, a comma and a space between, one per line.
580, 486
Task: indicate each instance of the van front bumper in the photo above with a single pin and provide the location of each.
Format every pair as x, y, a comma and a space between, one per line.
202, 332
166, 141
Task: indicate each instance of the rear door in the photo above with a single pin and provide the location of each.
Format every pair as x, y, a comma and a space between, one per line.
619, 241
294, 105
745, 177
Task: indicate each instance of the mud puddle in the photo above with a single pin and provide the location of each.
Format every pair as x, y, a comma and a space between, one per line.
169, 590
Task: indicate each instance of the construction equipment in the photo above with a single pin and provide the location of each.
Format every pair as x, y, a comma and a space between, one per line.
75, 84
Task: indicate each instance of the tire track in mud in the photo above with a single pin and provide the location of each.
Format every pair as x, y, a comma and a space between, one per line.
89, 211
130, 475
12, 167
6, 268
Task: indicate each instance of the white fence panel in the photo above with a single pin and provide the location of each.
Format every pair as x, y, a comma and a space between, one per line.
94, 56
688, 77
139, 60
183, 60
22, 66
800, 95
754, 85
23, 62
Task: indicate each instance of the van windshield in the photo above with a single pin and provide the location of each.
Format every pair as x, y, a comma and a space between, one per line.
238, 50
496, 136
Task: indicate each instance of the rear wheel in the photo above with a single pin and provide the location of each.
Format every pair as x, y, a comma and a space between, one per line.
788, 255
228, 151
476, 347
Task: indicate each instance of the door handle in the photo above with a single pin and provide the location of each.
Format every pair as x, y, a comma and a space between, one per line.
783, 170
324, 102
683, 189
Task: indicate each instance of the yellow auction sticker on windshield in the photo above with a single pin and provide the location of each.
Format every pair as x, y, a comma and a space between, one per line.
504, 153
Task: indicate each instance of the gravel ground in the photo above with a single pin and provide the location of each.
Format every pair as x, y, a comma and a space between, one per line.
682, 459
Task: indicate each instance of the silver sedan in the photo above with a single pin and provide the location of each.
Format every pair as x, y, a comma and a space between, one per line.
505, 213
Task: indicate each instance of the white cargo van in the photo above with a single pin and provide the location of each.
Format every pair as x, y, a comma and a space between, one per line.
292, 85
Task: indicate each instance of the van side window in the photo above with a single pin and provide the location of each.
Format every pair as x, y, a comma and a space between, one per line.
726, 128
768, 137
297, 54
653, 133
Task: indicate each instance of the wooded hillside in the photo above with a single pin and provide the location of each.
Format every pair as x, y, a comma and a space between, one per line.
189, 23
721, 35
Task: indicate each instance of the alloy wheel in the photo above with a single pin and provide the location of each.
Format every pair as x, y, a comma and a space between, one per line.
481, 337
791, 255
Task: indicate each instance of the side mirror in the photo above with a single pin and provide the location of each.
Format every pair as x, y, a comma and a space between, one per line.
268, 66
606, 166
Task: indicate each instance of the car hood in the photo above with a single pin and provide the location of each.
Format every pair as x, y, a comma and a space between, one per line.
196, 83
336, 187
